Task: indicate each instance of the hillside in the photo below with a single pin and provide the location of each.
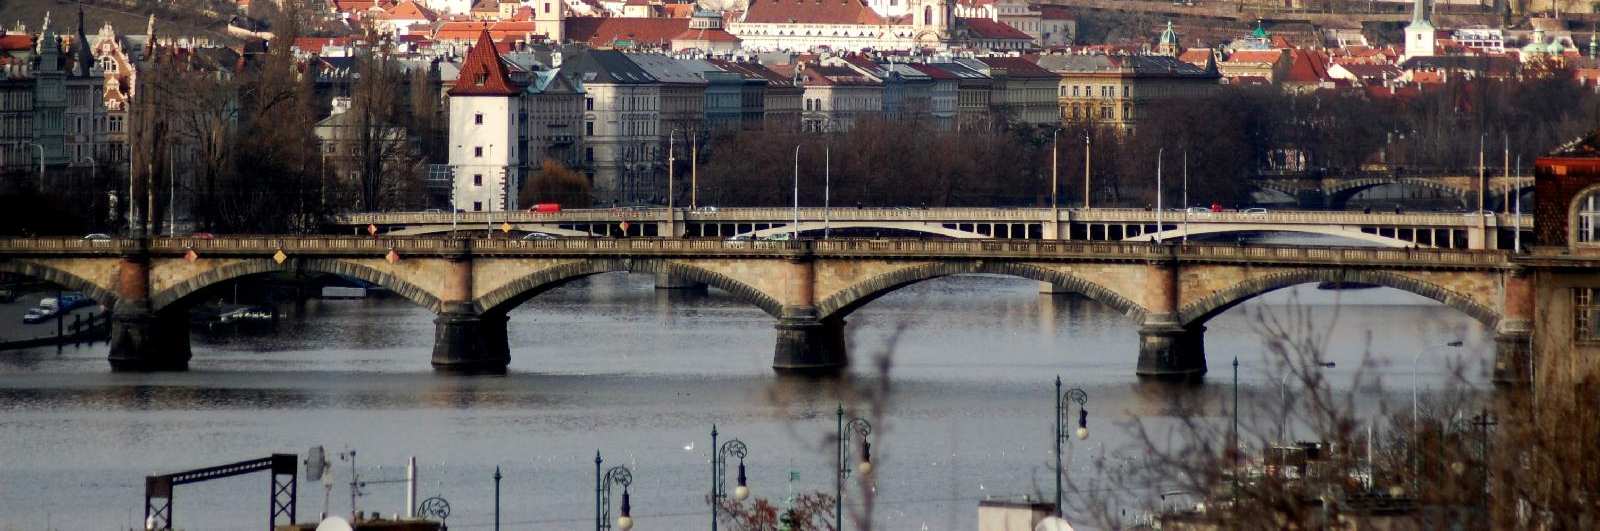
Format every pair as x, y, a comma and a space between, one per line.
126, 21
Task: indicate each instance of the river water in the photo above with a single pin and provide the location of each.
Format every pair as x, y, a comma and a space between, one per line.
610, 363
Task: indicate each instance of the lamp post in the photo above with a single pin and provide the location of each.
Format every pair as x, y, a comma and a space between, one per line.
672, 163
1185, 204
617, 475
497, 477
796, 192
827, 189
1159, 228
1055, 170
1415, 359
1086, 165
1283, 386
859, 427
1080, 397
719, 473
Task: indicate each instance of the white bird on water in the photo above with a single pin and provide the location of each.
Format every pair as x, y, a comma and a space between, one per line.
689, 447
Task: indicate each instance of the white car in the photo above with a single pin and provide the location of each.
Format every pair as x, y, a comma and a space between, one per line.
1255, 211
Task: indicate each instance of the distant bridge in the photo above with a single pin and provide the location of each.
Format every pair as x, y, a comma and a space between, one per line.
1335, 192
1432, 230
810, 287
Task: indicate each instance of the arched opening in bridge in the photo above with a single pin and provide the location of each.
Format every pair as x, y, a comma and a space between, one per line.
620, 322
42, 306
1384, 196
1379, 323
318, 314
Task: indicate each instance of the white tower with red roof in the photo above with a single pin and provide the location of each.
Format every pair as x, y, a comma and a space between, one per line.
483, 132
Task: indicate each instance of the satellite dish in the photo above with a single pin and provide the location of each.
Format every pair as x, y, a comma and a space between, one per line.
316, 461
1053, 523
334, 523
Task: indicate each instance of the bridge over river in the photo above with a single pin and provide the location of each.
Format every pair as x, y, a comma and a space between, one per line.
809, 287
1433, 230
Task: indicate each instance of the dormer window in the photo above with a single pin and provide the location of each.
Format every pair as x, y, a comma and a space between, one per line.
480, 79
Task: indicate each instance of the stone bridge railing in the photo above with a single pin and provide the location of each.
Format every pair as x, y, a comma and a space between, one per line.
841, 248
475, 220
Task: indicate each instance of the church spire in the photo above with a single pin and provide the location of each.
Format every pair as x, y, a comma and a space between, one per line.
83, 59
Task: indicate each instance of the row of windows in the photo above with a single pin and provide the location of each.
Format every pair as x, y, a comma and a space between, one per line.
1106, 91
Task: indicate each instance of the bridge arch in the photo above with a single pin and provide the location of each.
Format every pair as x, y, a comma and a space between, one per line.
172, 295
1220, 228
106, 295
1340, 194
848, 300
514, 293
934, 229
1202, 310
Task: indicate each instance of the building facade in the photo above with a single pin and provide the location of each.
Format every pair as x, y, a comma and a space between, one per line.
621, 125
485, 103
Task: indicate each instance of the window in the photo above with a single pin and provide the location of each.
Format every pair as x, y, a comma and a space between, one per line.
588, 154
1586, 314
1588, 221
477, 118
1074, 91
481, 79
547, 7
588, 104
588, 128
477, 206
1125, 89
477, 151
477, 179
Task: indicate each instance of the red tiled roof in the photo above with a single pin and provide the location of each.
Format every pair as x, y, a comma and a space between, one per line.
349, 6
810, 12
500, 30
1018, 67
482, 72
988, 29
603, 31
933, 71
409, 10
1306, 68
1256, 56
679, 10
709, 35
1197, 56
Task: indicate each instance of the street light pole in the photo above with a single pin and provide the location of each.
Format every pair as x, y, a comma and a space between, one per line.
694, 172
719, 473
861, 427
1159, 228
1080, 397
672, 163
1086, 166
796, 192
497, 498
1055, 170
618, 475
1185, 204
827, 189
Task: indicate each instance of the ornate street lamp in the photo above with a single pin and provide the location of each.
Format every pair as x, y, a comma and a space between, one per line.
617, 475
719, 473
1080, 397
860, 427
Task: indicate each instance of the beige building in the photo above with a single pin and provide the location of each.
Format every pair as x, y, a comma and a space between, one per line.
1112, 90
835, 97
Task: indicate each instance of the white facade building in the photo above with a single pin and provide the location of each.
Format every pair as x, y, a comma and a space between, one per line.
484, 158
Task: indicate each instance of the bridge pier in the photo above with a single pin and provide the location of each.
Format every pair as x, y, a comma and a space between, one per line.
464, 340
1513, 340
1171, 352
141, 339
808, 346
467, 342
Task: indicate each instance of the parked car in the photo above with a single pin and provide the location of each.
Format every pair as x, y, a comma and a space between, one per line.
1255, 211
97, 236
539, 236
36, 315
203, 236
8, 295
1199, 210
49, 303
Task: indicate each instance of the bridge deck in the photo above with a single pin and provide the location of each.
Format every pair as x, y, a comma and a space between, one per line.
471, 220
841, 248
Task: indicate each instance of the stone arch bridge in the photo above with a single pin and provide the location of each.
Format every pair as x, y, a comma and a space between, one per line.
809, 287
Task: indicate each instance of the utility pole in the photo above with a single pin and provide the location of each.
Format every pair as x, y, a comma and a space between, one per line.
694, 172
1086, 164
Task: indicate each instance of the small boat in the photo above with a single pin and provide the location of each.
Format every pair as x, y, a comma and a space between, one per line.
341, 292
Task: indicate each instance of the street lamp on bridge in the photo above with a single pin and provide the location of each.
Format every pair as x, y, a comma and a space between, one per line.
617, 475
859, 427
1077, 396
719, 473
